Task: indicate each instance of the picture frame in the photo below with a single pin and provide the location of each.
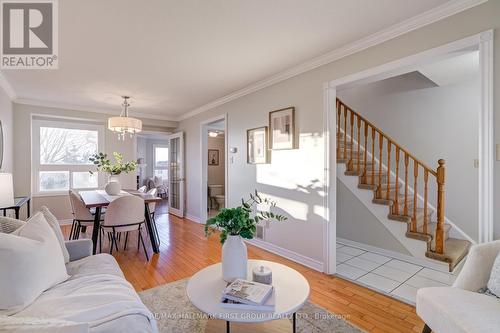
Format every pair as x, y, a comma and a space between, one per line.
282, 129
257, 142
213, 157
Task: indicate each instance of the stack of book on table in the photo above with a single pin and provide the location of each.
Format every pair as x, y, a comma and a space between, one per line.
248, 295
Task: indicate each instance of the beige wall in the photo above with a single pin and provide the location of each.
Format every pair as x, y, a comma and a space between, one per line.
6, 117
296, 177
22, 159
216, 174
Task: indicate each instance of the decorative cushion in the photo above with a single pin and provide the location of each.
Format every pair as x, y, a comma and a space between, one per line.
158, 181
31, 261
8, 225
54, 224
494, 281
13, 324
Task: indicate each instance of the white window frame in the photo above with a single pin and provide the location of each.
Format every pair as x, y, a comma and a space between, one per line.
37, 167
157, 145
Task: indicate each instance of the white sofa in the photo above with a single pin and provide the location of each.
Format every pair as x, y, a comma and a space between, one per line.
96, 295
460, 308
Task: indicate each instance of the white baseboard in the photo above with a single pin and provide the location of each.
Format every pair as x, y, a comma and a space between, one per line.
429, 263
194, 218
288, 254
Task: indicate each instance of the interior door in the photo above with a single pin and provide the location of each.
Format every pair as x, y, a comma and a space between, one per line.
176, 174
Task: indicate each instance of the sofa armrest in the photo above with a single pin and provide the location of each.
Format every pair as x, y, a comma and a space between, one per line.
477, 268
79, 248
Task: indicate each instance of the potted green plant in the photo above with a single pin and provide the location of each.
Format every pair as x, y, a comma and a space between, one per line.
103, 164
235, 224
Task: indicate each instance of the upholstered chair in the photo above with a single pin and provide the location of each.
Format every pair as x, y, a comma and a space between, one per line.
82, 216
461, 308
124, 214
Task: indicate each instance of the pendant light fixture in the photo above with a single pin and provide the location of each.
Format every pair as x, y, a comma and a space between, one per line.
124, 124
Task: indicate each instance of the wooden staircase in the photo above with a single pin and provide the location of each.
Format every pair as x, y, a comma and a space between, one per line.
400, 181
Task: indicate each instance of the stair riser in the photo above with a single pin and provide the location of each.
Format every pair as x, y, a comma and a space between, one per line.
407, 219
367, 178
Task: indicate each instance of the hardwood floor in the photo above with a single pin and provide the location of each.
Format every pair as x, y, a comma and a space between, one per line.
184, 250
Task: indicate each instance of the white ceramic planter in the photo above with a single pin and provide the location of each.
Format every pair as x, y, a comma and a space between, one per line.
234, 259
113, 186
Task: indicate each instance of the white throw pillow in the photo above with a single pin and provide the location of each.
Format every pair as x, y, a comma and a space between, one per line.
494, 281
13, 324
8, 225
31, 262
54, 224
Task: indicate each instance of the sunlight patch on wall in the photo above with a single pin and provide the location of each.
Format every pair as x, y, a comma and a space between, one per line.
296, 169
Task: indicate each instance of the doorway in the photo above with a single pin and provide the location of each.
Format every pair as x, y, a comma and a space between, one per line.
152, 165
483, 43
214, 167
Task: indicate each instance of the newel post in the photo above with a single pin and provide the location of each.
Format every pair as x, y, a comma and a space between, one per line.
440, 208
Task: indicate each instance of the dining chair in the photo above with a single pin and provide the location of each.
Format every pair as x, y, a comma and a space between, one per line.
124, 214
152, 209
82, 216
142, 189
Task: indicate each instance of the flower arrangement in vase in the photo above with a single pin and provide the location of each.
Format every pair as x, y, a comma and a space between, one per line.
103, 164
234, 225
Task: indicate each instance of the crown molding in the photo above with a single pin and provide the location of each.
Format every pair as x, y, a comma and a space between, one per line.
447, 9
4, 83
49, 104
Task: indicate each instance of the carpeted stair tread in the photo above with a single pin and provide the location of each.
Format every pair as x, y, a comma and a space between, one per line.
454, 251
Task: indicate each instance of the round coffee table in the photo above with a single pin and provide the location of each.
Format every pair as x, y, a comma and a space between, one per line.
291, 288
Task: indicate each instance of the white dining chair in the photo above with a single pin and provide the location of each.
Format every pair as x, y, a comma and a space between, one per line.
152, 209
82, 216
142, 189
124, 214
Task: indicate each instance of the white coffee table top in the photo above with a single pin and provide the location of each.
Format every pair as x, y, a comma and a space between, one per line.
205, 288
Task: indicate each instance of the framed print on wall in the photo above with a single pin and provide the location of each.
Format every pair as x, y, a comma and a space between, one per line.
282, 129
213, 157
257, 139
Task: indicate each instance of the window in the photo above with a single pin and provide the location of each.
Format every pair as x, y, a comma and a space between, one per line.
61, 152
160, 167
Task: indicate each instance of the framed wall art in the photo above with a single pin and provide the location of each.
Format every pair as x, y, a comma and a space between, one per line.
257, 140
282, 129
213, 157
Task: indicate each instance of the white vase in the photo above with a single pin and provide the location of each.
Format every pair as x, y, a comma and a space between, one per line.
113, 186
234, 259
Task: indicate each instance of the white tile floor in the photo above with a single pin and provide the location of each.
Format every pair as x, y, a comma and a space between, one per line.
391, 276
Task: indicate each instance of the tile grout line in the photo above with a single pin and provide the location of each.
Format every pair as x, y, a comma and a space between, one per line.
404, 282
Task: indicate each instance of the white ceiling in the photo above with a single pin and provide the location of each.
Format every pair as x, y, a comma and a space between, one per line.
175, 56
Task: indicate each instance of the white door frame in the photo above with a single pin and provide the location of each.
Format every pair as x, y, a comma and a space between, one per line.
486, 139
204, 164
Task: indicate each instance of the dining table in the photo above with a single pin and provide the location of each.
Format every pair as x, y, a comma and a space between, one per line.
99, 199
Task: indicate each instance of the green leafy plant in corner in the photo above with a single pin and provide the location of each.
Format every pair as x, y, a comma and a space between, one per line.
103, 164
242, 220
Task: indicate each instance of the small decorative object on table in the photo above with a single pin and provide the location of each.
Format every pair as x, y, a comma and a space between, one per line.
262, 274
103, 164
235, 224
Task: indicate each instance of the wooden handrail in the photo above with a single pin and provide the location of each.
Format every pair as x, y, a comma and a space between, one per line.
392, 194
388, 138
